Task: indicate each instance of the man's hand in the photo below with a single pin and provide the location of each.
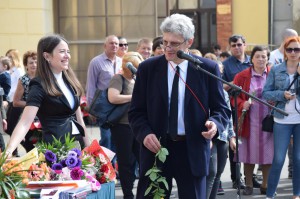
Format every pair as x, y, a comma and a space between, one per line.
151, 142
211, 130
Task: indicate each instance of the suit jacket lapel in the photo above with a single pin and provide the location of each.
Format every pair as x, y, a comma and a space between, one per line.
64, 100
162, 79
191, 81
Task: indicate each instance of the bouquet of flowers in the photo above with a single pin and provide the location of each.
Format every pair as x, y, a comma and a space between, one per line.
105, 171
66, 162
36, 131
11, 175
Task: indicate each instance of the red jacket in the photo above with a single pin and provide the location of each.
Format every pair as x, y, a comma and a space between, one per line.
243, 79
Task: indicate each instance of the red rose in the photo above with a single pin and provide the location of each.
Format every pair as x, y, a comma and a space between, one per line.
102, 179
104, 168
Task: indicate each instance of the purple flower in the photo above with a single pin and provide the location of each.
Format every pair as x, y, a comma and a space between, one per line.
76, 173
77, 151
50, 156
63, 163
71, 161
57, 166
72, 153
79, 163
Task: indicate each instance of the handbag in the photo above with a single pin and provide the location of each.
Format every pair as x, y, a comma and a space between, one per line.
267, 123
107, 113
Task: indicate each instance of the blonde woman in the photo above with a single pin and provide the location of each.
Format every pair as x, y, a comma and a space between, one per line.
127, 147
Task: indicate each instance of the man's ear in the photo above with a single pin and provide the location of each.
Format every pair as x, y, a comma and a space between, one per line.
190, 42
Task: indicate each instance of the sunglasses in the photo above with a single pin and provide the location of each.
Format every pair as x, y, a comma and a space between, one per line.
121, 45
236, 45
290, 50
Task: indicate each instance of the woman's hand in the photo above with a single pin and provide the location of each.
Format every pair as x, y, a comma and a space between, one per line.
4, 124
232, 144
289, 96
246, 105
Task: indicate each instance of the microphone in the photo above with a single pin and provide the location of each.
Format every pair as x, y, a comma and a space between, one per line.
183, 55
132, 69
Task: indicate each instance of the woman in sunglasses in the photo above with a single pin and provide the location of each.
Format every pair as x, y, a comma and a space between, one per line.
279, 80
123, 47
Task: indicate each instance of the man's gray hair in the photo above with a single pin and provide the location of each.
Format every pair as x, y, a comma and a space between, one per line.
288, 32
179, 24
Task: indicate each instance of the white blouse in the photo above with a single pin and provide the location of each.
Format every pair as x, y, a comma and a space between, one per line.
68, 94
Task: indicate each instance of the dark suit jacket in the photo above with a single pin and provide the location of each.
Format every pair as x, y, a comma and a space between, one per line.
55, 113
5, 83
149, 109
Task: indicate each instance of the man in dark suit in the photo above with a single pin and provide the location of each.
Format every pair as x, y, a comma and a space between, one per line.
200, 111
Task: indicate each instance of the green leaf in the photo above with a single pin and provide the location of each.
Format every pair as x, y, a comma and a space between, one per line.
160, 179
165, 183
162, 157
155, 170
157, 196
148, 190
161, 191
153, 176
164, 151
148, 172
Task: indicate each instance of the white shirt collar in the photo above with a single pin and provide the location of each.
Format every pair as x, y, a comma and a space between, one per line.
183, 66
58, 76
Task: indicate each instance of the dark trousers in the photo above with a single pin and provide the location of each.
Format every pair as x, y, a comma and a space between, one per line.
217, 164
177, 166
232, 165
127, 151
231, 153
13, 116
2, 143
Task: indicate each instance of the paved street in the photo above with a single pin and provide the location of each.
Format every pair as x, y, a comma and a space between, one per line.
284, 190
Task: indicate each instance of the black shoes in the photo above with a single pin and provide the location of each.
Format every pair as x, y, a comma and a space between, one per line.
248, 191
235, 186
256, 183
290, 175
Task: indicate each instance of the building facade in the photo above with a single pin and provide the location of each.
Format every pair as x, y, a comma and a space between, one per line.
86, 23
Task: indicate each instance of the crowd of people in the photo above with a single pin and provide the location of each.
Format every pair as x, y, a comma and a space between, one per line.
173, 105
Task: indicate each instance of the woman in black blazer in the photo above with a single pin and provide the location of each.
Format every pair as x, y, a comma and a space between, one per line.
53, 96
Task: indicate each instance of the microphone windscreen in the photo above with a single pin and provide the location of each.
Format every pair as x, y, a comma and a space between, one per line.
180, 54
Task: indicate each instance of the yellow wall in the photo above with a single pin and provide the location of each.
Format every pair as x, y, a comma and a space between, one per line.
250, 18
23, 23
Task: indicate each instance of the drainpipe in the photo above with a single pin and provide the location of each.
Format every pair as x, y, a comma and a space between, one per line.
271, 22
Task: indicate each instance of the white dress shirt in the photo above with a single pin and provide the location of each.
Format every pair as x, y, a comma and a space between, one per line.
183, 72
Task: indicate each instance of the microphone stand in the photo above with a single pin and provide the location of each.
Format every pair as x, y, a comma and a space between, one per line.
235, 92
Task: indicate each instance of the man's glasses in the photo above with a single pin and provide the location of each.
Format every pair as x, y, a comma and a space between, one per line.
172, 45
236, 45
121, 45
290, 50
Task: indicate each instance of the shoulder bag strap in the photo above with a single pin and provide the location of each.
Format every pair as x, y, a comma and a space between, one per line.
123, 83
295, 78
